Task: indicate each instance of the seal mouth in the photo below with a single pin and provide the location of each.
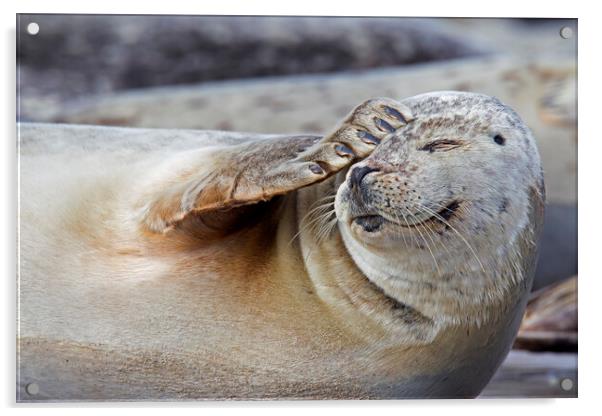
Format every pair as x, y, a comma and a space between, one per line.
370, 223
373, 222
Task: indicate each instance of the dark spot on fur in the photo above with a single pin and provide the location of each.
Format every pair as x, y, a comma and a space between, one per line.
503, 205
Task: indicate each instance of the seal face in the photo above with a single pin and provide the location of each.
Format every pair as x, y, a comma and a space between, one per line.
442, 200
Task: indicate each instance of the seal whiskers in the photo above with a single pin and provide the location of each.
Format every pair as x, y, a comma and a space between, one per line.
403, 236
443, 220
426, 243
314, 215
433, 233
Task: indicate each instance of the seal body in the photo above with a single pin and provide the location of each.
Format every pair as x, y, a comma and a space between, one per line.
160, 265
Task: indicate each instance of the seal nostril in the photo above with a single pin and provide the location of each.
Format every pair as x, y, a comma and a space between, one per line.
357, 174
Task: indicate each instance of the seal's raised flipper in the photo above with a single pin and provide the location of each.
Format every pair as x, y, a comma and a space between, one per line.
222, 178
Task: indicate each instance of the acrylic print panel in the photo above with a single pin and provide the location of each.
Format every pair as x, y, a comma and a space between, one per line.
296, 208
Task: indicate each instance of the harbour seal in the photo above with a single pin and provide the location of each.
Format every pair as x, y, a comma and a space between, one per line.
391, 258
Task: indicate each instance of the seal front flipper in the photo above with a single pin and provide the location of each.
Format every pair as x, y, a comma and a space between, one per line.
217, 179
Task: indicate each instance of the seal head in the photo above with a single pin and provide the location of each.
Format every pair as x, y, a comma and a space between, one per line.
441, 203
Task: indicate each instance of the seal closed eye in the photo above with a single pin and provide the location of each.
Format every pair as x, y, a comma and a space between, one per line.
442, 145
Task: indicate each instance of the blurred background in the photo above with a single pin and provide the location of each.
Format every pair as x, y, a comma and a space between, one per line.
302, 74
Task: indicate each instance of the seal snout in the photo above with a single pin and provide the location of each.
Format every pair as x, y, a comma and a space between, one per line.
364, 215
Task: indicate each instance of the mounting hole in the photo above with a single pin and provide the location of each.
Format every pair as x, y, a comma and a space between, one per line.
32, 389
33, 28
566, 32
566, 384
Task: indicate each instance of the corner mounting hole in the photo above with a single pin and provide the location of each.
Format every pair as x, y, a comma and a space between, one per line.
32, 389
566, 384
33, 28
566, 32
